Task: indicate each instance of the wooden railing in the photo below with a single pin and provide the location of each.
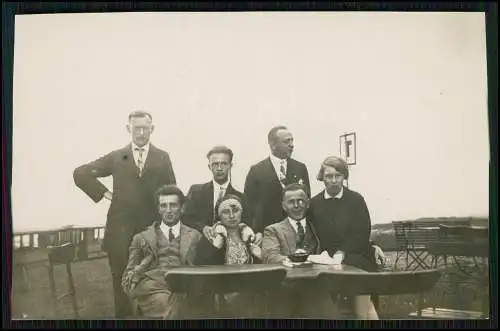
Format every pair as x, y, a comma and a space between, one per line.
86, 240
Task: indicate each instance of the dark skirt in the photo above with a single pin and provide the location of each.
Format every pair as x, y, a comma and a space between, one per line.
361, 261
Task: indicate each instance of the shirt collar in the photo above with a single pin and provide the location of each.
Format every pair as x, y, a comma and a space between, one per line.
338, 196
176, 229
146, 147
219, 186
294, 223
276, 160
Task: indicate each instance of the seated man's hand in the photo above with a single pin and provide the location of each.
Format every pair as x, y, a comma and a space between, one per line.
129, 282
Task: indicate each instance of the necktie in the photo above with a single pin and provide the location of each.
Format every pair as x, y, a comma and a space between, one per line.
140, 162
301, 234
221, 193
282, 172
171, 236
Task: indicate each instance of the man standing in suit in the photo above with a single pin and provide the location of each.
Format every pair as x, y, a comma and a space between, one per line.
281, 240
265, 181
138, 169
199, 209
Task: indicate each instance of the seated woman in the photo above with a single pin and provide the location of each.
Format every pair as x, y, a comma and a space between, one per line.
234, 243
343, 224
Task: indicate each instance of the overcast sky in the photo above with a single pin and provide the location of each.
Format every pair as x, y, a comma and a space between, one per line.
412, 86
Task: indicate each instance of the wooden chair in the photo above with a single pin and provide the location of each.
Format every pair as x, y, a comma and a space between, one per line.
219, 280
62, 254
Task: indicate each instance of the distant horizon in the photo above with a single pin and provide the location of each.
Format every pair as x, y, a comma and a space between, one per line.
16, 231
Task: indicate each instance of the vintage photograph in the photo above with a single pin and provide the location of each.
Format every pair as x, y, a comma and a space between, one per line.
202, 165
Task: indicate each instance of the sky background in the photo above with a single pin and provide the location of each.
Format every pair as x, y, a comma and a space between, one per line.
412, 86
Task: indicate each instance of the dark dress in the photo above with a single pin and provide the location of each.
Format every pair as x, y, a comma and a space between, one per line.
344, 224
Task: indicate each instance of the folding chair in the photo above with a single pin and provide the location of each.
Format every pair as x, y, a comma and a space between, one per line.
62, 254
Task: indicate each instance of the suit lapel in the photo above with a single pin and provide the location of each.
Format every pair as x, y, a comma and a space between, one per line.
128, 159
313, 230
208, 196
289, 235
271, 173
186, 238
150, 159
150, 237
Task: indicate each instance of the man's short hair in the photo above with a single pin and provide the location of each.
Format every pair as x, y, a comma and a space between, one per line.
170, 189
293, 187
271, 136
335, 162
139, 113
221, 149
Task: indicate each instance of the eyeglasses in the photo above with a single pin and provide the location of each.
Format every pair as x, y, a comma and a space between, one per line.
219, 164
337, 177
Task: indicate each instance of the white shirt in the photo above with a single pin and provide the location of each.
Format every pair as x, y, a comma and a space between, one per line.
293, 223
136, 153
277, 165
338, 196
176, 229
218, 188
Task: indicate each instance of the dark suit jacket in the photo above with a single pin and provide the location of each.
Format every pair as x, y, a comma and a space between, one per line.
263, 191
344, 224
132, 207
199, 208
280, 240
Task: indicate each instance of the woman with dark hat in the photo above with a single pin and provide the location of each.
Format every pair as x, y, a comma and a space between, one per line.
343, 224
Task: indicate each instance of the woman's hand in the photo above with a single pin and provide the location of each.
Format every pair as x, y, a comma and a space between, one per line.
218, 241
247, 234
220, 229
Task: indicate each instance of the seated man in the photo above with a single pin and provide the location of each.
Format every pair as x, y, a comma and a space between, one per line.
281, 240
164, 244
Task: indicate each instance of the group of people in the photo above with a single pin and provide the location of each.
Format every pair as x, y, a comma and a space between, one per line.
152, 226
